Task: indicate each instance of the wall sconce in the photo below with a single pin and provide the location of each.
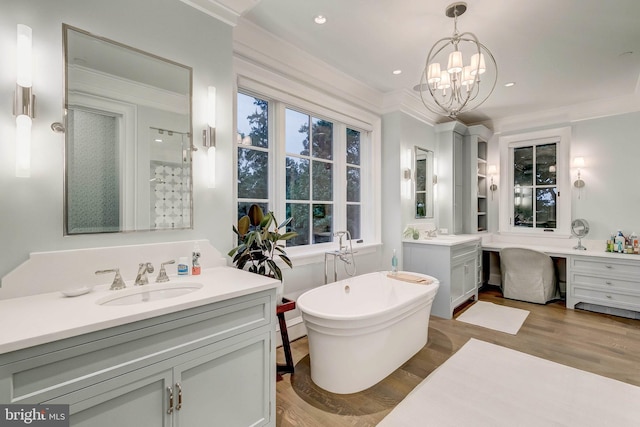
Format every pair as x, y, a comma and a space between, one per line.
492, 170
578, 162
209, 137
24, 101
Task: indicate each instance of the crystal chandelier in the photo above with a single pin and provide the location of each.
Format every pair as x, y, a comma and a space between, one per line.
457, 88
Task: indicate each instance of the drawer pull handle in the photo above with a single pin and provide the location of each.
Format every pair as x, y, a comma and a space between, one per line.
179, 405
608, 283
609, 296
170, 410
609, 266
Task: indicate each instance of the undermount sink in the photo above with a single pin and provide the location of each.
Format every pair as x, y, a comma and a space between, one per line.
148, 293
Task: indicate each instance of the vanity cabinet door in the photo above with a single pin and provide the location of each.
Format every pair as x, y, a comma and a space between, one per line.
139, 398
229, 387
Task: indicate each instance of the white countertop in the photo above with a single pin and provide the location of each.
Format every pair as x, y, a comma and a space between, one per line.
444, 239
39, 319
558, 250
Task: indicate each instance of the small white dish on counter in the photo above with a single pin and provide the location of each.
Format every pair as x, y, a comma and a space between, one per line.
74, 292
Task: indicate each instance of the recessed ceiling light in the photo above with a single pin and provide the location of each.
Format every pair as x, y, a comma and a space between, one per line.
510, 84
320, 19
396, 72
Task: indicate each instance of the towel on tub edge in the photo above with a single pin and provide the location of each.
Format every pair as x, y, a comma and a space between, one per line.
410, 278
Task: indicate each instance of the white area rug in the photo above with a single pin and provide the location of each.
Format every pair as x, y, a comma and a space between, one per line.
493, 316
488, 385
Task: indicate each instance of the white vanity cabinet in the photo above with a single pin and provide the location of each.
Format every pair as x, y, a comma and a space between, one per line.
208, 365
605, 281
453, 260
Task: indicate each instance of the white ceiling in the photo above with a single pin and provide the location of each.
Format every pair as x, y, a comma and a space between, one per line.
559, 52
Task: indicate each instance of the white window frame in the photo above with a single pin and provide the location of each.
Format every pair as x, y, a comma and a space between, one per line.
366, 123
563, 211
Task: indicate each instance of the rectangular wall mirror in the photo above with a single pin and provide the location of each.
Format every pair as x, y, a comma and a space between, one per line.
128, 145
423, 182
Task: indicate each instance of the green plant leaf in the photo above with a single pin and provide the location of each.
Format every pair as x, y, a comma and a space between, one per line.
289, 235
255, 214
243, 226
286, 260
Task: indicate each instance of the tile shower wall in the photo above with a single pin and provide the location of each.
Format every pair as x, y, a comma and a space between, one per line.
170, 201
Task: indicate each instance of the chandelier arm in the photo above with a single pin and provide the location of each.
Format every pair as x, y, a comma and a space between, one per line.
463, 92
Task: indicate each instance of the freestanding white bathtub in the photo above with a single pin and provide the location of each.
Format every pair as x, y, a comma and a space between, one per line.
363, 328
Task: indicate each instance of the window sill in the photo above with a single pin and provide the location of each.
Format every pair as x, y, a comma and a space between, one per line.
314, 254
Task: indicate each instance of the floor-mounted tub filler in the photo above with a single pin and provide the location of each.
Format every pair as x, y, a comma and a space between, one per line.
363, 328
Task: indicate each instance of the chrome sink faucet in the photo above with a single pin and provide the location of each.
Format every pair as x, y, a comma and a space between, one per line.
432, 233
162, 276
118, 283
143, 269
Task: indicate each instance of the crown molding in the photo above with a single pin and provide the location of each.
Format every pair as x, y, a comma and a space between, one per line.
252, 44
227, 11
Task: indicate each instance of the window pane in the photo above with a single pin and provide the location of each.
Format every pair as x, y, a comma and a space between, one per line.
243, 208
523, 207
322, 181
353, 184
421, 175
299, 212
353, 221
297, 179
546, 208
297, 133
322, 223
322, 133
523, 166
353, 147
253, 173
546, 164
252, 121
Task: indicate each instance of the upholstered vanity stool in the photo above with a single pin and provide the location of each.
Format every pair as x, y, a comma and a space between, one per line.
528, 275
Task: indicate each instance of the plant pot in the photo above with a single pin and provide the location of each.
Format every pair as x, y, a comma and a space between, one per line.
416, 235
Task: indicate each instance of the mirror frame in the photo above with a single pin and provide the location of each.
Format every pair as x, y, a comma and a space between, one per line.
427, 193
188, 143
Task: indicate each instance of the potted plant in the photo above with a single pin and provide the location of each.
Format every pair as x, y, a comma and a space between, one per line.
411, 232
260, 244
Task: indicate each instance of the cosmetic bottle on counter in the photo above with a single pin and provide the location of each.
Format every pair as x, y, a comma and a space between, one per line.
195, 260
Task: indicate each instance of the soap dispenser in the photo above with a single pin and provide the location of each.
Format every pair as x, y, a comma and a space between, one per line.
195, 260
394, 263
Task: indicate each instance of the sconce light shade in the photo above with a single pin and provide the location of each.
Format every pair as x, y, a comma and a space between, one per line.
24, 101
209, 137
211, 167
24, 65
578, 162
211, 106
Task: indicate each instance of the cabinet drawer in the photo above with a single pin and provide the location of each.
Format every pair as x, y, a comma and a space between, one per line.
465, 249
41, 374
605, 282
606, 298
606, 266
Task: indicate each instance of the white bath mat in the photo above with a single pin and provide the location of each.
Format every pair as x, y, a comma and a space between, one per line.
485, 384
493, 316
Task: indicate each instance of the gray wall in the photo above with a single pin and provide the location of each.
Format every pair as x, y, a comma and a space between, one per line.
610, 199
31, 209
400, 133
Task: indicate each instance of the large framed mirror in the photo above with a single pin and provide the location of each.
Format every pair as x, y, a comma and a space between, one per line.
128, 144
423, 184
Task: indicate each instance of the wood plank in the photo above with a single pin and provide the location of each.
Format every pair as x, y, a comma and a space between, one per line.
603, 344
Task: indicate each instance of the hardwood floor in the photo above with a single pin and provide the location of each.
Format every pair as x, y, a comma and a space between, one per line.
599, 343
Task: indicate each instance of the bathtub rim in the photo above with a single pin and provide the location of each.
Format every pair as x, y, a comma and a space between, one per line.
428, 288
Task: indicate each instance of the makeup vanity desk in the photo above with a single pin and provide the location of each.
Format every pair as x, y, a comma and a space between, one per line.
592, 276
